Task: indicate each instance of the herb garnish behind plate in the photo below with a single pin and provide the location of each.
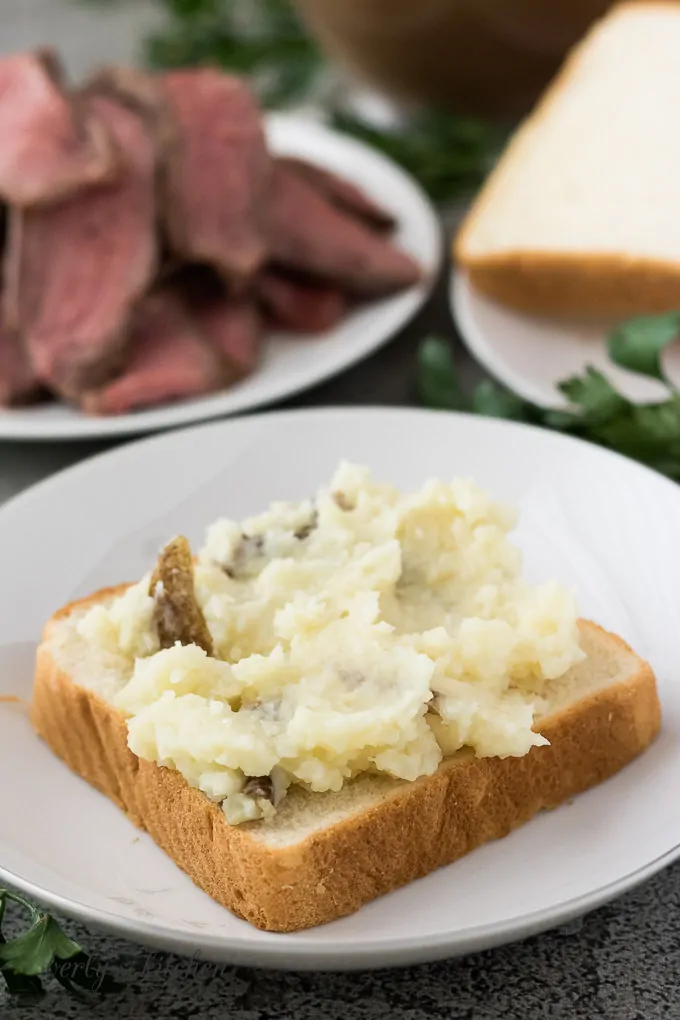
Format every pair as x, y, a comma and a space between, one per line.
649, 433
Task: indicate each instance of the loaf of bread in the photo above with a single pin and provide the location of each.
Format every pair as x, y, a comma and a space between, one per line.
581, 215
324, 855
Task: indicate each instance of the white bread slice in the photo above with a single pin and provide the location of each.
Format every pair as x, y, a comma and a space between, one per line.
325, 855
582, 212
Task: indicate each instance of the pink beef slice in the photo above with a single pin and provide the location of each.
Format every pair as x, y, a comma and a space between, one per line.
18, 382
52, 147
218, 175
234, 329
342, 193
300, 305
309, 234
76, 270
143, 93
231, 325
168, 360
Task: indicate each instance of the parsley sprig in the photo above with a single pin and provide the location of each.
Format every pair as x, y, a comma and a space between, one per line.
259, 38
448, 155
41, 949
649, 433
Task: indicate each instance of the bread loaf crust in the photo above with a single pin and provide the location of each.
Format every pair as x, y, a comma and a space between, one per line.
572, 285
412, 830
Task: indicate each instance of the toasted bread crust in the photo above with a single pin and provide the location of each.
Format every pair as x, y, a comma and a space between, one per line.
566, 283
414, 829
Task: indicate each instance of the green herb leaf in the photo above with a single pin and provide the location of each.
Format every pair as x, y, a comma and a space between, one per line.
189, 9
594, 395
448, 155
44, 947
28, 989
260, 39
639, 343
437, 382
564, 421
649, 433
31, 953
495, 402
80, 976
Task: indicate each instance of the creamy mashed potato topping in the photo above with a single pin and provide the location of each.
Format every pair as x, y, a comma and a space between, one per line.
365, 630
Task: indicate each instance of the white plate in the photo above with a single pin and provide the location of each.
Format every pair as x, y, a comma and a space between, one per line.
291, 362
104, 520
530, 355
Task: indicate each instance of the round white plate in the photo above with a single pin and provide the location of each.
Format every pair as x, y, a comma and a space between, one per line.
530, 355
102, 522
291, 362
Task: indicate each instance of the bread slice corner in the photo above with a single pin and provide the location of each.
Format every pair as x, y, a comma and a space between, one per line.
578, 217
325, 855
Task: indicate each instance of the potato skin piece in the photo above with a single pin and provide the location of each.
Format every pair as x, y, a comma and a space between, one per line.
178, 615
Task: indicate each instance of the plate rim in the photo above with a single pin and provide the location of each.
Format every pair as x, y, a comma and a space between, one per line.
472, 337
326, 410
299, 953
481, 344
187, 413
388, 952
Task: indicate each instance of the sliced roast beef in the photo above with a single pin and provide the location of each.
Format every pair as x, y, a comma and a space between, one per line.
168, 359
218, 176
52, 147
298, 304
342, 193
143, 93
231, 325
76, 269
18, 381
308, 233
235, 330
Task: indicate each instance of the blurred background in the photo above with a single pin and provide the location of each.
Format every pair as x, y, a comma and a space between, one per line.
431, 68
482, 56
447, 73
86, 34
435, 84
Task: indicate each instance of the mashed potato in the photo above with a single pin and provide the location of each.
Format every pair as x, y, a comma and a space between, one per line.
363, 631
